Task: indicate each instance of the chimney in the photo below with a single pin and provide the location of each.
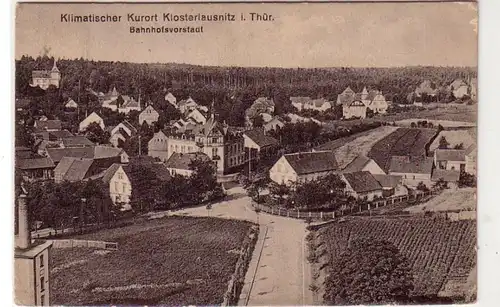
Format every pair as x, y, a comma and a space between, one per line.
24, 234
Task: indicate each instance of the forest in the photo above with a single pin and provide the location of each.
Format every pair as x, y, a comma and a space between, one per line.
233, 88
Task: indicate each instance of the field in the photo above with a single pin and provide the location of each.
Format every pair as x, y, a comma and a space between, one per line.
348, 148
172, 261
455, 137
444, 123
461, 199
438, 250
402, 142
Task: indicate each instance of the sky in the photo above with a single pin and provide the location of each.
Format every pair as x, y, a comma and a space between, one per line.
301, 35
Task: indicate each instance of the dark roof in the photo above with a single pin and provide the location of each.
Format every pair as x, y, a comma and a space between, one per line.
362, 181
101, 152
312, 162
411, 165
261, 139
388, 181
34, 163
183, 160
159, 169
129, 126
357, 164
446, 175
76, 141
74, 169
110, 172
450, 154
56, 154
59, 134
53, 124
22, 152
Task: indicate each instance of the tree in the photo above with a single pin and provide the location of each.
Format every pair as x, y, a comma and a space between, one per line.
467, 180
279, 192
95, 134
422, 187
369, 272
255, 187
459, 146
203, 180
443, 143
174, 193
144, 186
369, 113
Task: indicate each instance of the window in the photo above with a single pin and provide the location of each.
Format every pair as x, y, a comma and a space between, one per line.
42, 283
183, 148
214, 140
120, 176
42, 263
413, 177
42, 300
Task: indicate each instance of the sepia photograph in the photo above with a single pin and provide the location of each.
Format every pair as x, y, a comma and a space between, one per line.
255, 154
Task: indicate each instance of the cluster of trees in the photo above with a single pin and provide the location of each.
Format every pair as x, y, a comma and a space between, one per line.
233, 88
183, 191
69, 204
444, 144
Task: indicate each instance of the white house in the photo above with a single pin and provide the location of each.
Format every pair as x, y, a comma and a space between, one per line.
298, 167
123, 131
459, 88
274, 124
413, 170
119, 184
378, 104
362, 185
171, 99
179, 163
450, 159
354, 109
299, 101
158, 146
92, 118
148, 115
363, 164
258, 140
197, 116
187, 105
71, 104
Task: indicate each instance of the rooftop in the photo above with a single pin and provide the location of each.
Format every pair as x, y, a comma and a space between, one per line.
450, 154
312, 162
411, 165
183, 160
362, 181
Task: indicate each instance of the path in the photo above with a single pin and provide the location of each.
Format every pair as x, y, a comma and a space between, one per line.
282, 274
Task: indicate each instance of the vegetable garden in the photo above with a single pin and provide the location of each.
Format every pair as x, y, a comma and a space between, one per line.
171, 261
438, 250
402, 142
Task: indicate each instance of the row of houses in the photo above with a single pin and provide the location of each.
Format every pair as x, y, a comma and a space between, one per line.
365, 178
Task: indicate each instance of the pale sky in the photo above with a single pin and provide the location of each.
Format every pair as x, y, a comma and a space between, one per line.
301, 35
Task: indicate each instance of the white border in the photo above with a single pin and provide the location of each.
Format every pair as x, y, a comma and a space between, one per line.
488, 147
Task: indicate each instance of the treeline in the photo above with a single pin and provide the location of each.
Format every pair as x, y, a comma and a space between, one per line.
232, 88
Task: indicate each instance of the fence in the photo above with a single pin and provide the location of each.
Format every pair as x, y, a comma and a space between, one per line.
333, 214
84, 243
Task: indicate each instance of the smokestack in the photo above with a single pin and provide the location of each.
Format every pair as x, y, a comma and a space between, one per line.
24, 235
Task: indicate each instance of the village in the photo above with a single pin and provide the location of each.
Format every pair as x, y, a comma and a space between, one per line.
317, 160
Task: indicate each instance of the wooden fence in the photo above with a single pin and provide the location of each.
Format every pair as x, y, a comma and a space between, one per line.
84, 243
298, 214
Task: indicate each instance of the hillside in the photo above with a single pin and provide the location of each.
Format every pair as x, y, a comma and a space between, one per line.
438, 250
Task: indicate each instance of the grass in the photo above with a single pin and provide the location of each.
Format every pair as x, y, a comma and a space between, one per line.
449, 200
172, 261
455, 137
437, 250
348, 148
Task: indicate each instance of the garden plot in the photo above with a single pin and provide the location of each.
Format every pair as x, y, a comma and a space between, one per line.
448, 200
170, 261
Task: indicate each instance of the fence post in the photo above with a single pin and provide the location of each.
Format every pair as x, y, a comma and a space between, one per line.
298, 214
333, 215
287, 213
272, 210
321, 214
369, 207
309, 213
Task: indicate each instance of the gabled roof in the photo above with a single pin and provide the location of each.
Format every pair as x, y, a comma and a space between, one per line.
261, 139
91, 152
150, 107
457, 83
52, 124
446, 175
159, 169
110, 172
128, 126
362, 182
76, 141
312, 162
357, 164
183, 160
60, 134
34, 163
388, 181
101, 152
411, 165
74, 169
450, 154
348, 91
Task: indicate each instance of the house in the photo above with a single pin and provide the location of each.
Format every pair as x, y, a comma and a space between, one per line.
47, 125
295, 118
306, 103
354, 109
179, 163
299, 102
363, 164
149, 115
473, 89
258, 139
197, 116
266, 117
223, 144
119, 184
35, 168
75, 169
45, 78
451, 177
169, 97
52, 135
274, 124
21, 152
362, 185
121, 133
260, 105
450, 159
302, 166
348, 92
71, 104
459, 88
104, 155
470, 159
392, 185
158, 146
426, 88
76, 141
187, 105
378, 104
92, 118
412, 169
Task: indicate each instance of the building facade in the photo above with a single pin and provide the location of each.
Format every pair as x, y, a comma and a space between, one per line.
46, 78
148, 115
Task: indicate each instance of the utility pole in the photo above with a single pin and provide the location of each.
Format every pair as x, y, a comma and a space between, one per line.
139, 144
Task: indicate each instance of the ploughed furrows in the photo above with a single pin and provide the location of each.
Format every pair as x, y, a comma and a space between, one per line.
437, 250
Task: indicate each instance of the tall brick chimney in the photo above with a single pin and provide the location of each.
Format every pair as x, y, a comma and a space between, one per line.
24, 233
